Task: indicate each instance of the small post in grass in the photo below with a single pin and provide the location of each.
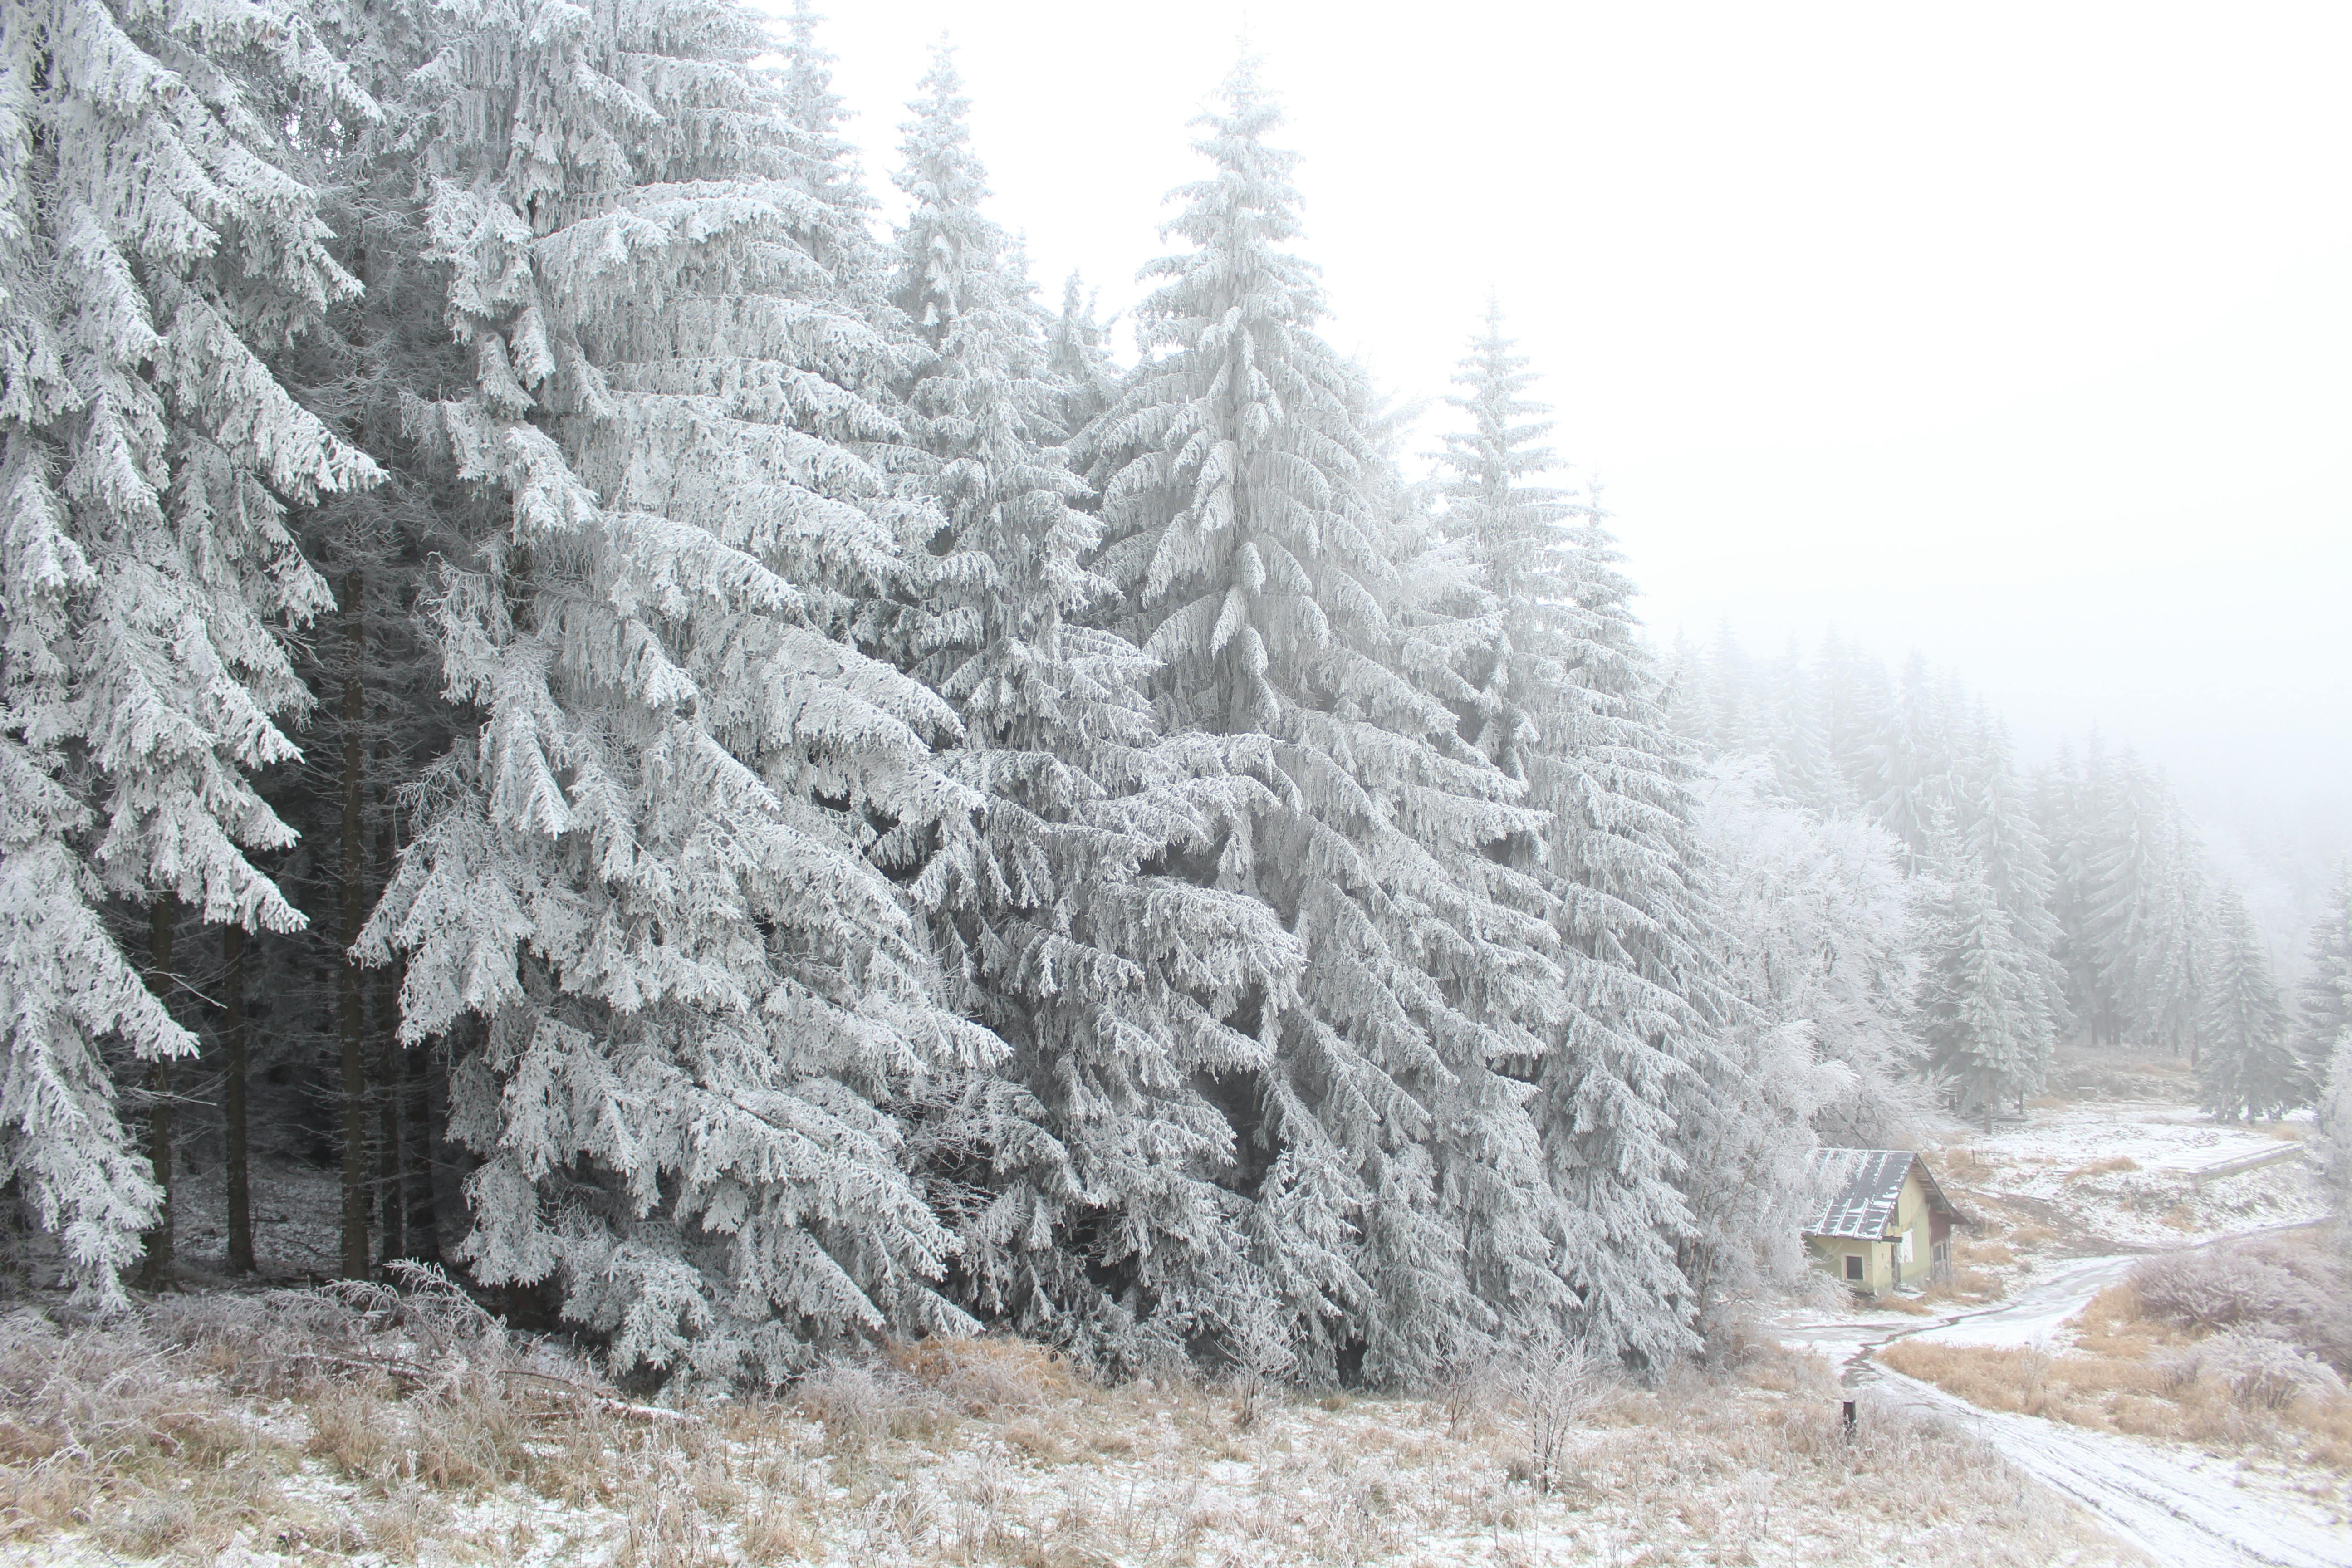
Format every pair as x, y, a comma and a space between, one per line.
1849, 1420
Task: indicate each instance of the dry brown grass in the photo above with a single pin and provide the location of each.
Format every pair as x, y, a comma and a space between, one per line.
1961, 1163
325, 1427
2113, 1165
2230, 1383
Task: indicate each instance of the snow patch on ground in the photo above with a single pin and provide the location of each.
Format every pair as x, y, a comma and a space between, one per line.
2134, 1176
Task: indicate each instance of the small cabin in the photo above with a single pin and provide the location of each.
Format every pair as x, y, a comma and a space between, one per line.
1883, 1222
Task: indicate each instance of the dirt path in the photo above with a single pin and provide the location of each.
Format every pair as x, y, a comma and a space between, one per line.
2180, 1515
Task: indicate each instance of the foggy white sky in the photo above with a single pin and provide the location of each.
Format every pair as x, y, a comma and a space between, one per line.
2019, 334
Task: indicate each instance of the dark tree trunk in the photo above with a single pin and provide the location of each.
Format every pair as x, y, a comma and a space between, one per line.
450, 1164
391, 1196
354, 1006
233, 1065
155, 1271
424, 1156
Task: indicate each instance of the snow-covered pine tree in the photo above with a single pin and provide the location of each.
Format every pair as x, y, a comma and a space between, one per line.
2061, 809
1978, 1004
2123, 874
1078, 357
1860, 713
2174, 969
1082, 1174
1731, 696
646, 874
2332, 1145
154, 251
1234, 476
2245, 1066
822, 158
1499, 975
2327, 989
1571, 701
1805, 770
1996, 826
1914, 766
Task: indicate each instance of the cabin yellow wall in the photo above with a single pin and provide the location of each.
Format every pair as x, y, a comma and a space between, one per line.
1881, 1267
1832, 1251
1911, 1216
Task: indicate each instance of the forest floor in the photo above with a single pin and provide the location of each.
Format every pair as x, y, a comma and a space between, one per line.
328, 1427
294, 1424
2215, 1439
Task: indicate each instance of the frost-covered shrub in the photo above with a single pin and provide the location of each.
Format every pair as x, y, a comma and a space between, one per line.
2261, 1371
2292, 1290
2218, 1289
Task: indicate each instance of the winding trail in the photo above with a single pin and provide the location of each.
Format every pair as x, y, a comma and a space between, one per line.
2181, 1515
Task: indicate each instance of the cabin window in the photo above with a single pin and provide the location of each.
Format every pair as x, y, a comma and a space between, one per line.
1906, 1247
1853, 1265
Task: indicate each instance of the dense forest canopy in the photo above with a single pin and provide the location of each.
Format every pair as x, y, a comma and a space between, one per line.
752, 784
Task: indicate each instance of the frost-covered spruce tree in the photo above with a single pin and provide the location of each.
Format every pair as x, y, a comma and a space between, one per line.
2327, 989
1978, 1005
1501, 976
2072, 805
1997, 829
2332, 1145
1861, 714
2245, 1066
1078, 357
1915, 784
644, 877
1804, 770
1570, 703
1233, 470
155, 250
1082, 1174
2147, 908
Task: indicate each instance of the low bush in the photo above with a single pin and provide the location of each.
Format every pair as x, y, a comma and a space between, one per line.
2293, 1287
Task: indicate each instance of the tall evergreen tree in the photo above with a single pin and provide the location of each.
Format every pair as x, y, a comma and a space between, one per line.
1914, 784
2327, 989
1084, 1176
2061, 809
1569, 701
1977, 998
1859, 714
1997, 829
2245, 1066
1236, 491
645, 876
2131, 907
155, 251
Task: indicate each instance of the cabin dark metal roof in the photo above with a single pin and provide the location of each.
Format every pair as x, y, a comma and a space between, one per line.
1861, 1189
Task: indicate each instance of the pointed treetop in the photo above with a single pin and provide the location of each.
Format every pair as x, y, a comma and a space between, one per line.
947, 238
808, 75
1249, 201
